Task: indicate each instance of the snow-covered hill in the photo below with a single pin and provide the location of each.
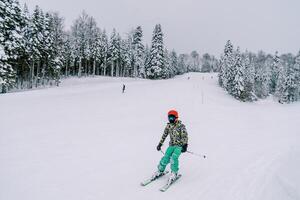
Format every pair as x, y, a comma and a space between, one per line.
87, 141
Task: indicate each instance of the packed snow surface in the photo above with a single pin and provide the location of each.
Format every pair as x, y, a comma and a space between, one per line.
86, 140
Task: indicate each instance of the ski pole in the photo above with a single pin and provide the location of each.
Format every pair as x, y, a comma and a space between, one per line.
162, 152
196, 154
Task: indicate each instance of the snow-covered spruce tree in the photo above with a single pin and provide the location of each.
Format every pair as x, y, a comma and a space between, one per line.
238, 82
38, 29
226, 63
114, 49
174, 63
80, 42
230, 70
126, 57
296, 69
25, 51
156, 65
221, 75
214, 64
94, 42
195, 61
282, 84
167, 70
30, 43
54, 35
147, 56
67, 55
288, 86
7, 74
262, 76
42, 40
129, 55
274, 73
97, 52
182, 64
249, 76
138, 49
292, 85
11, 23
103, 53
206, 63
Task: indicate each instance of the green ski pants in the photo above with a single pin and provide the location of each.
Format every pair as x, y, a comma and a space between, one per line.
171, 156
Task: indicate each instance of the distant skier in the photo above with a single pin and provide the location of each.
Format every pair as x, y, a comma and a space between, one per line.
178, 144
123, 89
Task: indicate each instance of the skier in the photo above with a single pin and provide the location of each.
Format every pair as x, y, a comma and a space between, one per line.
123, 89
178, 144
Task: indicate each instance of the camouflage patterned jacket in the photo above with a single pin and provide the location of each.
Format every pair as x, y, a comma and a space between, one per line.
177, 132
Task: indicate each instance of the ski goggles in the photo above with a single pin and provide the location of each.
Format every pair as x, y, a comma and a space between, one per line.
171, 118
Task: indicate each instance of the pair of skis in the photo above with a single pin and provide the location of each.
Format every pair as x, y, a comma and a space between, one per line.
166, 186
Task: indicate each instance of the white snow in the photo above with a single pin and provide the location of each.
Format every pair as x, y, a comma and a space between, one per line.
86, 140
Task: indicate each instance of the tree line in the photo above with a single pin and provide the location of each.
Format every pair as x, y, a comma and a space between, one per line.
248, 76
37, 51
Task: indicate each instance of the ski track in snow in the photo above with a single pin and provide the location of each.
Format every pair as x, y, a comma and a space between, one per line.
87, 140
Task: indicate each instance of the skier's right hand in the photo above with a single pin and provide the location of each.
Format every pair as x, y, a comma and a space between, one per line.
159, 147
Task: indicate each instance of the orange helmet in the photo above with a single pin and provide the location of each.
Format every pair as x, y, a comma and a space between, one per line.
173, 112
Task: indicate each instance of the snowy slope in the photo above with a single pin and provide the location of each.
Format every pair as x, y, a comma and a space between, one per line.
87, 141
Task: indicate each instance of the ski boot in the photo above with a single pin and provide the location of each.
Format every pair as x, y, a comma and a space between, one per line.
172, 177
157, 174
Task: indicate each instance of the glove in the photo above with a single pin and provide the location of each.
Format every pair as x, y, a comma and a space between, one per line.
184, 148
159, 147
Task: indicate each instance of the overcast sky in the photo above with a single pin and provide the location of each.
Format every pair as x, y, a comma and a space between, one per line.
202, 25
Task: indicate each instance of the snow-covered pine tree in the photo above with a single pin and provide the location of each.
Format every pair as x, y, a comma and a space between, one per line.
221, 74
38, 45
174, 63
7, 74
249, 76
147, 57
282, 84
292, 86
93, 41
67, 55
47, 60
214, 64
156, 67
51, 60
296, 69
195, 61
30, 44
262, 76
206, 63
138, 49
79, 35
25, 51
274, 73
238, 82
182, 66
114, 49
226, 63
11, 23
167, 70
229, 67
290, 92
103, 53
